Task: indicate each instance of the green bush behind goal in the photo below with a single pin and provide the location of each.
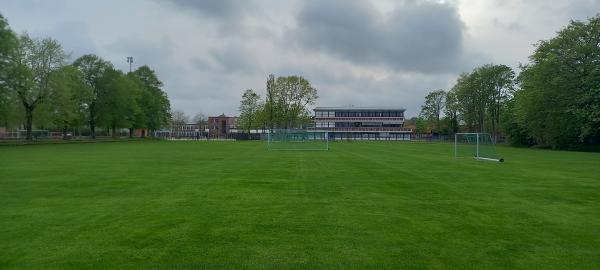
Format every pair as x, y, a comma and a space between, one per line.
290, 139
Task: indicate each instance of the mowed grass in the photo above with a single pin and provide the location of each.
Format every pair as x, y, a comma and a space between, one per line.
235, 205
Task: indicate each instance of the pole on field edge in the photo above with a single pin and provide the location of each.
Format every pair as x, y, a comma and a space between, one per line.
477, 145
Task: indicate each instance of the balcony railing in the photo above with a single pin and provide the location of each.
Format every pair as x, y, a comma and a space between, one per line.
318, 118
363, 129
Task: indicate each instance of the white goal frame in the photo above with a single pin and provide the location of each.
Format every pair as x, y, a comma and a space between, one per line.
477, 144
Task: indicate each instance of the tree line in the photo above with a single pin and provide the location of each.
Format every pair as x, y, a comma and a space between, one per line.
39, 87
553, 102
284, 106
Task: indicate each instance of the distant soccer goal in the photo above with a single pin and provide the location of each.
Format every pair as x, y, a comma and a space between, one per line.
475, 145
290, 139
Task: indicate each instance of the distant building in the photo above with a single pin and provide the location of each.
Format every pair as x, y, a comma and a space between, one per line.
179, 130
220, 125
362, 123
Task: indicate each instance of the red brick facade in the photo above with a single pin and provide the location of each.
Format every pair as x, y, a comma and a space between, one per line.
220, 125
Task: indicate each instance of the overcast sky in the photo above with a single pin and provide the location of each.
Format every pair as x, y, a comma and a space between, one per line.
362, 53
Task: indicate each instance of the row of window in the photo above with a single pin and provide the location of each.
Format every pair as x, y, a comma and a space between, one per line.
184, 127
324, 124
356, 124
369, 136
360, 114
366, 124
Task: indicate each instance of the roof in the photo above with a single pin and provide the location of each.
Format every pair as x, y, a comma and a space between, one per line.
222, 116
352, 108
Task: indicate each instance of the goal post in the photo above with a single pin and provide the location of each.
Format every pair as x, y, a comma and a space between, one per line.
292, 139
479, 146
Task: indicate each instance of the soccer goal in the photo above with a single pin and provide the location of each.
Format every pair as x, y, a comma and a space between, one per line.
287, 139
476, 145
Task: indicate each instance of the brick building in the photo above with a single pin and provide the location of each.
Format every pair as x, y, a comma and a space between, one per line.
220, 125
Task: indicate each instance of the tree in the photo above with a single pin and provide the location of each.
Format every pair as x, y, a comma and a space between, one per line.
433, 106
474, 96
8, 48
515, 131
420, 125
559, 101
250, 107
451, 111
287, 101
500, 80
270, 104
153, 101
201, 120
464, 92
480, 96
116, 105
93, 69
66, 105
178, 117
31, 67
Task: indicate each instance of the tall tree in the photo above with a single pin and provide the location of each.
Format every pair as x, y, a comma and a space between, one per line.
481, 95
464, 92
8, 49
420, 125
269, 104
289, 100
66, 105
153, 101
34, 62
250, 107
500, 81
201, 120
451, 111
559, 100
93, 69
116, 105
433, 107
178, 117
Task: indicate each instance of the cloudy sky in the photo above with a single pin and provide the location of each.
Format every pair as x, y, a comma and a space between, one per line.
359, 52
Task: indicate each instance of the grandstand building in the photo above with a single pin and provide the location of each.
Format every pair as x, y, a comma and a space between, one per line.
362, 123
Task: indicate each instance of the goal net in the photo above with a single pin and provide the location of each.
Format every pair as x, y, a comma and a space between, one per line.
286, 139
475, 145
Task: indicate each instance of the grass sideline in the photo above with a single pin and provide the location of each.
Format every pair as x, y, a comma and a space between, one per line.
234, 205
15, 142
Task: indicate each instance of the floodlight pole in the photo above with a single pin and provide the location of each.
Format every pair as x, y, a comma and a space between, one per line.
130, 61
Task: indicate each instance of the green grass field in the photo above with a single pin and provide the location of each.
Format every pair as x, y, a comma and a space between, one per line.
234, 205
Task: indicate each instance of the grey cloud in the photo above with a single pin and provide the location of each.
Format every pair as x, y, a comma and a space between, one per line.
418, 36
74, 35
234, 59
227, 13
201, 64
158, 54
514, 26
582, 10
217, 9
